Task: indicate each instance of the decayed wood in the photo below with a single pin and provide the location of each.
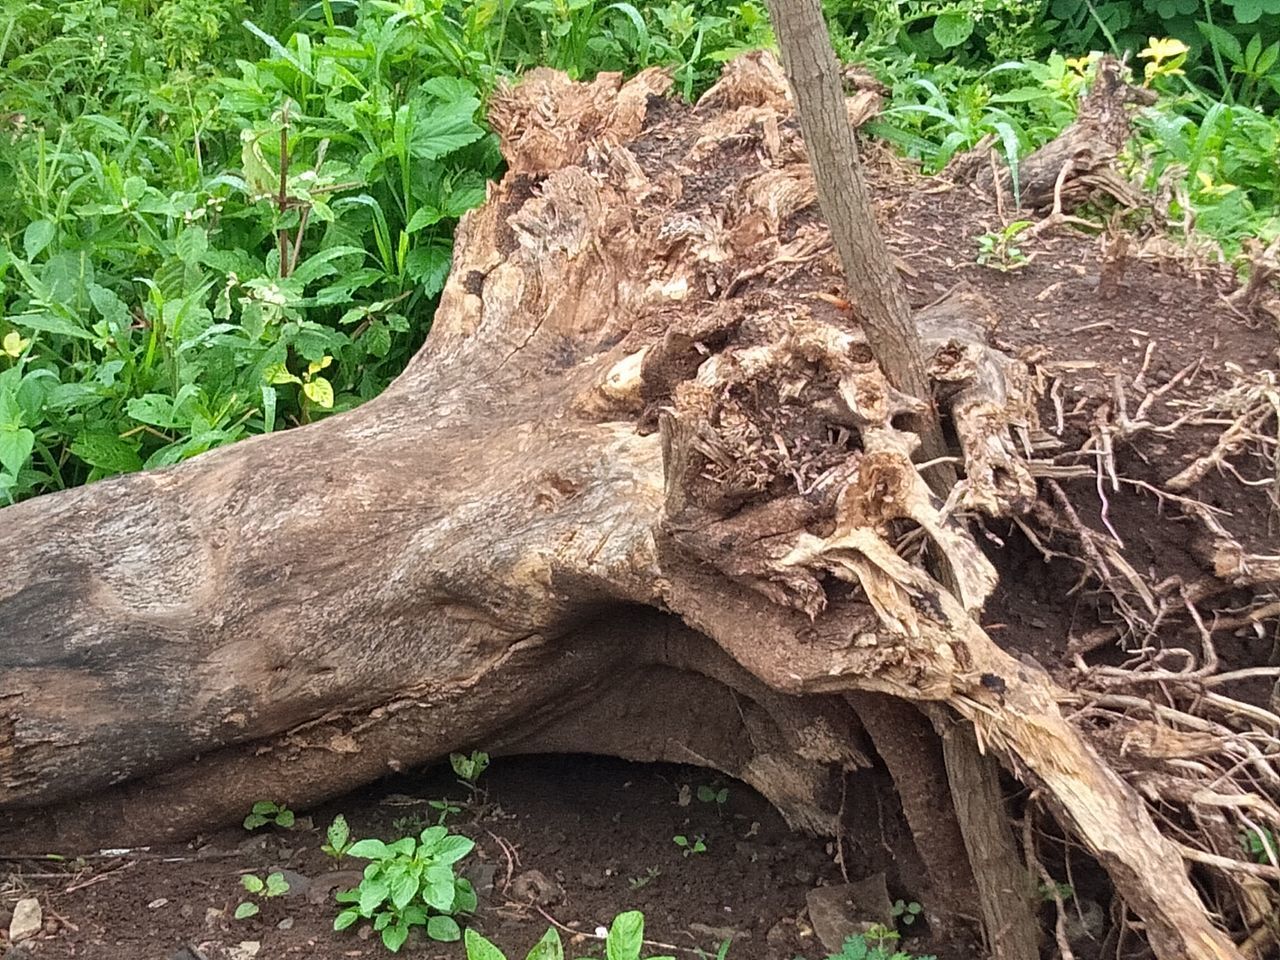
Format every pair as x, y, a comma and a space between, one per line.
877, 291
503, 537
1075, 163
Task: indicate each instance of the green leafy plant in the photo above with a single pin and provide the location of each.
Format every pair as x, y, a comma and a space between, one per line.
650, 874
410, 883
625, 941
469, 768
337, 838
410, 823
998, 248
906, 912
445, 809
1261, 844
690, 846
878, 943
709, 794
274, 885
1064, 891
267, 811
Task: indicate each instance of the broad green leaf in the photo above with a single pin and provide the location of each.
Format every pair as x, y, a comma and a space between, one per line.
548, 948
264, 806
370, 849
338, 833
478, 948
16, 445
372, 894
431, 837
464, 896
452, 849
394, 936
277, 885
251, 883
626, 936
246, 909
38, 235
49, 323
445, 128
345, 919
191, 244
319, 391
952, 29
443, 929
107, 452
428, 265
403, 890
284, 819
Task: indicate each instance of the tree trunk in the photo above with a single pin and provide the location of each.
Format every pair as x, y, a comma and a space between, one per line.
635, 466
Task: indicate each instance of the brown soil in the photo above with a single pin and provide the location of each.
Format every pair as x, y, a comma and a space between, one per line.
599, 830
591, 825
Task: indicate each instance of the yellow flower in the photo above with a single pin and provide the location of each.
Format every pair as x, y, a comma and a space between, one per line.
1161, 49
13, 344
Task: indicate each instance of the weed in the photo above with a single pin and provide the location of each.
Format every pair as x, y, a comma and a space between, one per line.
1261, 844
997, 248
410, 823
445, 809
625, 941
275, 885
689, 847
878, 943
266, 811
410, 883
469, 769
337, 838
906, 912
650, 874
1064, 891
708, 794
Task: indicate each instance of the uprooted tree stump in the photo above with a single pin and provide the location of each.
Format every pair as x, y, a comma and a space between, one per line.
642, 493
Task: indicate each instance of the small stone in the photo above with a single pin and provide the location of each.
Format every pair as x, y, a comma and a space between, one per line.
51, 926
482, 876
157, 903
244, 950
803, 875
298, 884
846, 910
321, 889
591, 879
213, 917
27, 920
534, 886
186, 910
285, 924
365, 931
719, 934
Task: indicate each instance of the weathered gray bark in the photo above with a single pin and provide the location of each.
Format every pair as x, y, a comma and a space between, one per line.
501, 546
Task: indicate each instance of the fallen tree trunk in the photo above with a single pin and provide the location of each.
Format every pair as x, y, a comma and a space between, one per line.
634, 452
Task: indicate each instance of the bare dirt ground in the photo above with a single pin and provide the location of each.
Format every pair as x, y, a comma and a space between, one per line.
597, 829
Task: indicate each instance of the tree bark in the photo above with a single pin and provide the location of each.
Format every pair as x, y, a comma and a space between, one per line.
628, 454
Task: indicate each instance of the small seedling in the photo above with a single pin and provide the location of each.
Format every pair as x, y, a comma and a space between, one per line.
906, 912
469, 768
721, 952
711, 795
997, 249
624, 941
689, 847
264, 812
1064, 890
650, 874
1262, 844
274, 886
410, 823
878, 943
445, 809
337, 838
